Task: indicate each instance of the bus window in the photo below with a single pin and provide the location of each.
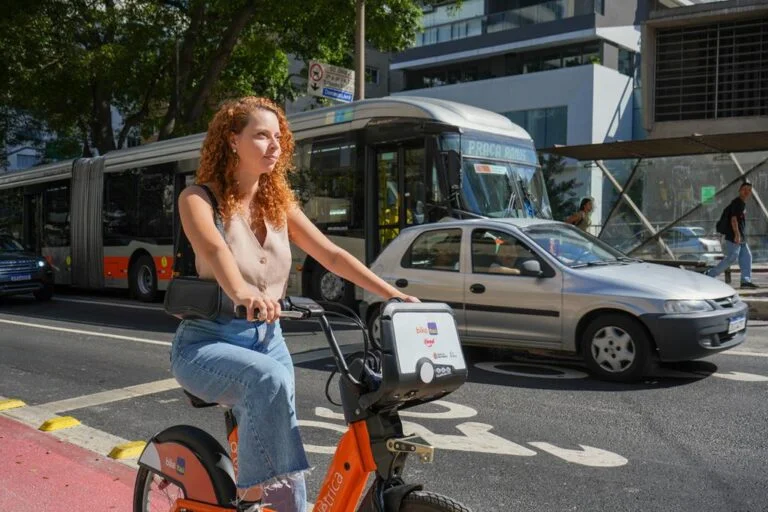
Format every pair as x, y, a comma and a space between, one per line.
56, 215
328, 186
11, 213
389, 199
415, 190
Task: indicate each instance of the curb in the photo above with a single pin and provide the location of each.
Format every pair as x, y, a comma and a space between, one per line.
758, 308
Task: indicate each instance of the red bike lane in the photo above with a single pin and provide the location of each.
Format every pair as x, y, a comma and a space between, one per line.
41, 473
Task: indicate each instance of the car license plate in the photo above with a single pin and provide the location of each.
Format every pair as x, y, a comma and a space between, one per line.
21, 277
737, 324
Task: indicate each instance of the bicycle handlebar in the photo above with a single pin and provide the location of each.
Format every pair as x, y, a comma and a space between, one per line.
287, 310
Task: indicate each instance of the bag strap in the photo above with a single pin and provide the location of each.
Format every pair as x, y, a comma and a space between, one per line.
184, 260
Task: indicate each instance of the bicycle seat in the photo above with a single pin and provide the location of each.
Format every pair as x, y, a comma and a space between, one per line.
198, 403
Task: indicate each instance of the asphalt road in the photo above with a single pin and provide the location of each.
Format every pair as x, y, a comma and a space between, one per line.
522, 434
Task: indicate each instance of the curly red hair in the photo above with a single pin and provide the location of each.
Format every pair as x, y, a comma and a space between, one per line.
218, 163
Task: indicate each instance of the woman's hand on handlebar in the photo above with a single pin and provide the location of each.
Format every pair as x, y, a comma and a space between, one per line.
408, 298
259, 308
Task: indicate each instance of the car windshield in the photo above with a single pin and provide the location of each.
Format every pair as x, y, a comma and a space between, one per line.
8, 244
573, 247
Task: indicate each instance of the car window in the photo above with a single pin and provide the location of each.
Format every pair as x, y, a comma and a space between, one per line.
497, 252
438, 249
8, 244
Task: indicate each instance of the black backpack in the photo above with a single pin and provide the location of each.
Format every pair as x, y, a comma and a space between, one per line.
724, 224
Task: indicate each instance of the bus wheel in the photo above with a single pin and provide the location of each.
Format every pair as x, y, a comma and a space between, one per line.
142, 278
329, 287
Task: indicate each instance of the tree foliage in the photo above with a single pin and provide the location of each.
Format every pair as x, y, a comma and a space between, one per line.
562, 193
164, 65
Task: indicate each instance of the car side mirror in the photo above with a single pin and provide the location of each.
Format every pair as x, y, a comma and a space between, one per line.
532, 268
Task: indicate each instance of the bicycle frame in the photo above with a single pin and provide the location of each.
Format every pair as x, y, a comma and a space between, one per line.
341, 490
373, 443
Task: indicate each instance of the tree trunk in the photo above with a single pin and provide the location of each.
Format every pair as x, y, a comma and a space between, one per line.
182, 61
102, 133
218, 62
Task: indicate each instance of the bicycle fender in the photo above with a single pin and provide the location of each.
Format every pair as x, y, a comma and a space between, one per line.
394, 496
194, 461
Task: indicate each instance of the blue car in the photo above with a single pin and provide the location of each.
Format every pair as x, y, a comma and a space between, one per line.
23, 272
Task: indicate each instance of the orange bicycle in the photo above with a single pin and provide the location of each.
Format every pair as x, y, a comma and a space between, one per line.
419, 359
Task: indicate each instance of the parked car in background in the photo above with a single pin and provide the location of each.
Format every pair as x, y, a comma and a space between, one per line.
692, 244
23, 272
545, 285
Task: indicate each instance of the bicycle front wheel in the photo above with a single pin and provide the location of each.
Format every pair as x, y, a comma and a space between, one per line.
423, 501
153, 493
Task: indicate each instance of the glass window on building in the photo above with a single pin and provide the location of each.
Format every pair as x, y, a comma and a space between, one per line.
626, 62
25, 161
547, 126
372, 75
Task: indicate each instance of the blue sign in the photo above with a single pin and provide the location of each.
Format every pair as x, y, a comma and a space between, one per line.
337, 94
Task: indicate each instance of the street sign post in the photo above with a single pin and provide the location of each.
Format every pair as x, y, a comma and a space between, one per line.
328, 81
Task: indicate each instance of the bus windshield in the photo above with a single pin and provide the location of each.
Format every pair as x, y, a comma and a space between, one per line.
500, 175
500, 189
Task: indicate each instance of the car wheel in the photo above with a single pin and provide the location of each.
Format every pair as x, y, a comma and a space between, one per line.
616, 348
142, 278
327, 286
45, 293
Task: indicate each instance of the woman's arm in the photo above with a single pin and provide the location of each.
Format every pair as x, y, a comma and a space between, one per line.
310, 240
196, 216
575, 218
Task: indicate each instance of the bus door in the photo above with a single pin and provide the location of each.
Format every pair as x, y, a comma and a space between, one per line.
401, 191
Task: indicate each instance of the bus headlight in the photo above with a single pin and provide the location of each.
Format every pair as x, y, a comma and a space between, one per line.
42, 263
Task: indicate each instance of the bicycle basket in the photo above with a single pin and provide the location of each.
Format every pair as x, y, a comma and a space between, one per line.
422, 358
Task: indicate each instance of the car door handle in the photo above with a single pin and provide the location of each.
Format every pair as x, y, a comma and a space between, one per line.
401, 283
477, 288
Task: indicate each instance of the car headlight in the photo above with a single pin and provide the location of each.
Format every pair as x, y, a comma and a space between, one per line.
41, 263
687, 306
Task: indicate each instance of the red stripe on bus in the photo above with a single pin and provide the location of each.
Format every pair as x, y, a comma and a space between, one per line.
116, 267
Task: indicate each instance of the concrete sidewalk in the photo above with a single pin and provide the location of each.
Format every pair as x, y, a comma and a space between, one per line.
756, 299
42, 473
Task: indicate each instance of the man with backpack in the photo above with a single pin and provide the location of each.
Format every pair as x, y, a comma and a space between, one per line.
732, 224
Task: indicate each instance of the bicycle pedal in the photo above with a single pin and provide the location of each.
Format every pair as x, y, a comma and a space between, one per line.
412, 444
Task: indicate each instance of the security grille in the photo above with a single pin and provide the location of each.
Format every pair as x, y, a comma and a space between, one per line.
713, 71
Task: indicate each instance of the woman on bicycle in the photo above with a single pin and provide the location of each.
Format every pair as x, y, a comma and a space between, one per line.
244, 161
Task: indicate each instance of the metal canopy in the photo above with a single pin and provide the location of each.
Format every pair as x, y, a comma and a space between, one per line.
675, 146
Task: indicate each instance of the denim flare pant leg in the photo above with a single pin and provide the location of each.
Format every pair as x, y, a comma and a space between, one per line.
734, 252
247, 366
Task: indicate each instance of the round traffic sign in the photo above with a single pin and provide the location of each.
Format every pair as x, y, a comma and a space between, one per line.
316, 72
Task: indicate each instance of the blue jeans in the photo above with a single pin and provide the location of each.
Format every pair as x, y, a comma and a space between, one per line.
735, 252
247, 366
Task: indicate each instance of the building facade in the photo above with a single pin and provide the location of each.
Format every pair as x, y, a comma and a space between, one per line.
706, 68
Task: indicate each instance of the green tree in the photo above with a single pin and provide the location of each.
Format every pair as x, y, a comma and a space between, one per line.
164, 65
562, 193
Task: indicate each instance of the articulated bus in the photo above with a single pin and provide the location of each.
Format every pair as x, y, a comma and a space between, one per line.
364, 171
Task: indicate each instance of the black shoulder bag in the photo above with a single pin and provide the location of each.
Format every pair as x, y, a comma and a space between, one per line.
188, 296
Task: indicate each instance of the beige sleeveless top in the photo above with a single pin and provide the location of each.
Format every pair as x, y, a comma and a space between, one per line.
264, 267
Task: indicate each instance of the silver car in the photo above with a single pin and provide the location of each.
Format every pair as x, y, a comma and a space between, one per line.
545, 285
